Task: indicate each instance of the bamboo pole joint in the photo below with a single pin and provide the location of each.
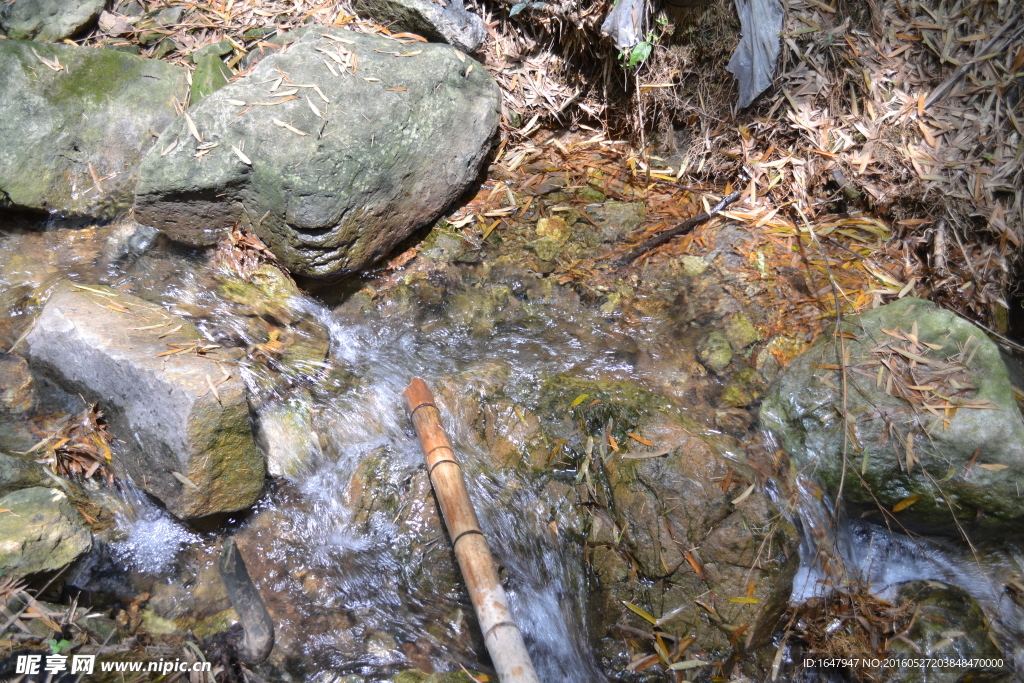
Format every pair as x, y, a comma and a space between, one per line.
502, 636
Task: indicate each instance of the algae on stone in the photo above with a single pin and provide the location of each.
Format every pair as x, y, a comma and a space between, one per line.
40, 530
96, 116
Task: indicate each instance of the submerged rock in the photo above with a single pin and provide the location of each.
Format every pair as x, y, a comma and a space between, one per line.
180, 411
48, 21
337, 178
76, 126
948, 624
40, 530
670, 522
953, 412
448, 22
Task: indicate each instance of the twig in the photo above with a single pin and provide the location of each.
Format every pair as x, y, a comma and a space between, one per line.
684, 227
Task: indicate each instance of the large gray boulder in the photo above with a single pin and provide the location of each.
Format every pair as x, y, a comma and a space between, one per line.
40, 530
182, 418
448, 22
75, 122
48, 20
950, 405
329, 186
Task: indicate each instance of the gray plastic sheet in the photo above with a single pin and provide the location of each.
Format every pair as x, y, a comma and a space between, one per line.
753, 62
625, 23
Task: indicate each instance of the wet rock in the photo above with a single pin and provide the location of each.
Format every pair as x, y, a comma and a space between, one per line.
96, 116
258, 628
804, 409
617, 218
285, 434
377, 495
17, 391
744, 388
948, 624
668, 516
343, 190
193, 599
693, 266
40, 530
740, 332
128, 240
48, 21
715, 352
182, 417
449, 22
552, 234
18, 473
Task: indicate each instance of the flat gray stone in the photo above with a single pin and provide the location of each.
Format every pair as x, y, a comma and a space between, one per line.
40, 531
48, 21
97, 114
188, 445
398, 142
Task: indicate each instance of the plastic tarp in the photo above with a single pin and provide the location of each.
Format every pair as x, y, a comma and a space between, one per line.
753, 62
625, 23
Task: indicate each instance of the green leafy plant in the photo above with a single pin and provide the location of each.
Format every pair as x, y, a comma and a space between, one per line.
59, 646
636, 55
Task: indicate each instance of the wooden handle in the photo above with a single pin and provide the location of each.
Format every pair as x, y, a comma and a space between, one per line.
501, 634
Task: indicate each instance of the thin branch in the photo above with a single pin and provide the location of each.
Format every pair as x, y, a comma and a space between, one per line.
683, 228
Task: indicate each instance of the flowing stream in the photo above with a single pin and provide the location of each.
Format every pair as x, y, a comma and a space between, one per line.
347, 549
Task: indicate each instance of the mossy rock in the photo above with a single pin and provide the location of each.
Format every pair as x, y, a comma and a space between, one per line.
715, 351
40, 531
806, 405
92, 117
343, 191
745, 387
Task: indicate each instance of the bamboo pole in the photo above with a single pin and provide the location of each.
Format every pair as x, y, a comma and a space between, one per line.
502, 637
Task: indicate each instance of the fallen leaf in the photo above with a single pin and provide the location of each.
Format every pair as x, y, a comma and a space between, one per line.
192, 128
578, 400
638, 438
245, 160
640, 611
906, 502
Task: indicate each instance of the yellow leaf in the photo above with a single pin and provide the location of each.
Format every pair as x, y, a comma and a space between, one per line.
993, 468
906, 502
745, 601
640, 611
578, 400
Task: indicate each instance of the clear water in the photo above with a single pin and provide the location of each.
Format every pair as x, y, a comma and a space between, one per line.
359, 586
